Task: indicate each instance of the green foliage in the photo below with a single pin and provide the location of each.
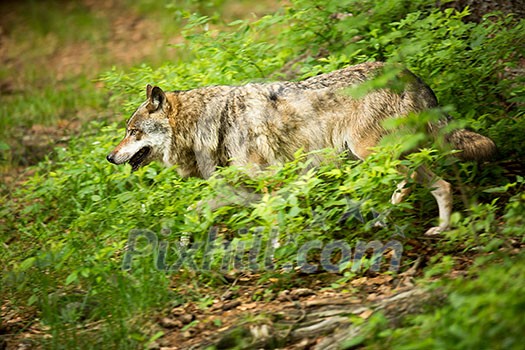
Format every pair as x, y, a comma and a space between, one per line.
73, 217
483, 311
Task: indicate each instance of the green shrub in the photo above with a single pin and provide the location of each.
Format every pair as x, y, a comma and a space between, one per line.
73, 217
485, 310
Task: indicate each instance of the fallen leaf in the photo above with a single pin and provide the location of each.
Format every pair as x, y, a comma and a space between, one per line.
366, 314
248, 306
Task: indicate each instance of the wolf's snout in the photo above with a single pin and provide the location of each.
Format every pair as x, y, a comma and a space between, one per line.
110, 157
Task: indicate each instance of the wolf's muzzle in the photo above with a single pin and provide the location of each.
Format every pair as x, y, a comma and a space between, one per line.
111, 158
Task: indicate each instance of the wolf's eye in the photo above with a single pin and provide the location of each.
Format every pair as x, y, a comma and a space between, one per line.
132, 132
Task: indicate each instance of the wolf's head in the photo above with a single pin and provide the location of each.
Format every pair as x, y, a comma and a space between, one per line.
148, 132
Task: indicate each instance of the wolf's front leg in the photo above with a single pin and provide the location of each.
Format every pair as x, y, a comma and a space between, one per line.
227, 196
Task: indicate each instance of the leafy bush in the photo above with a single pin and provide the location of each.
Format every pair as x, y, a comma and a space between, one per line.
485, 310
73, 217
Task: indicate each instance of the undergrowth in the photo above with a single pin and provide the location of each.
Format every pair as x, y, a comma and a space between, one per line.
68, 230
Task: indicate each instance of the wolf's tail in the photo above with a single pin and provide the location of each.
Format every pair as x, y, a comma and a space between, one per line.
473, 146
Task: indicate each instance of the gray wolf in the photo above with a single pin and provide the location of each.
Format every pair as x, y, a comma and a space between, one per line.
262, 124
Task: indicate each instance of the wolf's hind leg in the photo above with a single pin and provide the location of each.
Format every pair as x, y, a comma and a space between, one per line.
442, 192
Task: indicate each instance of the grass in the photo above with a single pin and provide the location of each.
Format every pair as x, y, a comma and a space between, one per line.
51, 103
65, 228
65, 22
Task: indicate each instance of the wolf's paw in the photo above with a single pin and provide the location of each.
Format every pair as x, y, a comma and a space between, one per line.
435, 231
379, 224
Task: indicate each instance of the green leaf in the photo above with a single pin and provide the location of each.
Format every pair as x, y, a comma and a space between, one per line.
27, 263
96, 198
500, 189
73, 277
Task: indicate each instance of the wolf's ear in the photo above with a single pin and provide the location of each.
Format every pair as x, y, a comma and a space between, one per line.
157, 98
148, 91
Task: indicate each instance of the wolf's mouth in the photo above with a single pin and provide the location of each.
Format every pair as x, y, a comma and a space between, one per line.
139, 157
